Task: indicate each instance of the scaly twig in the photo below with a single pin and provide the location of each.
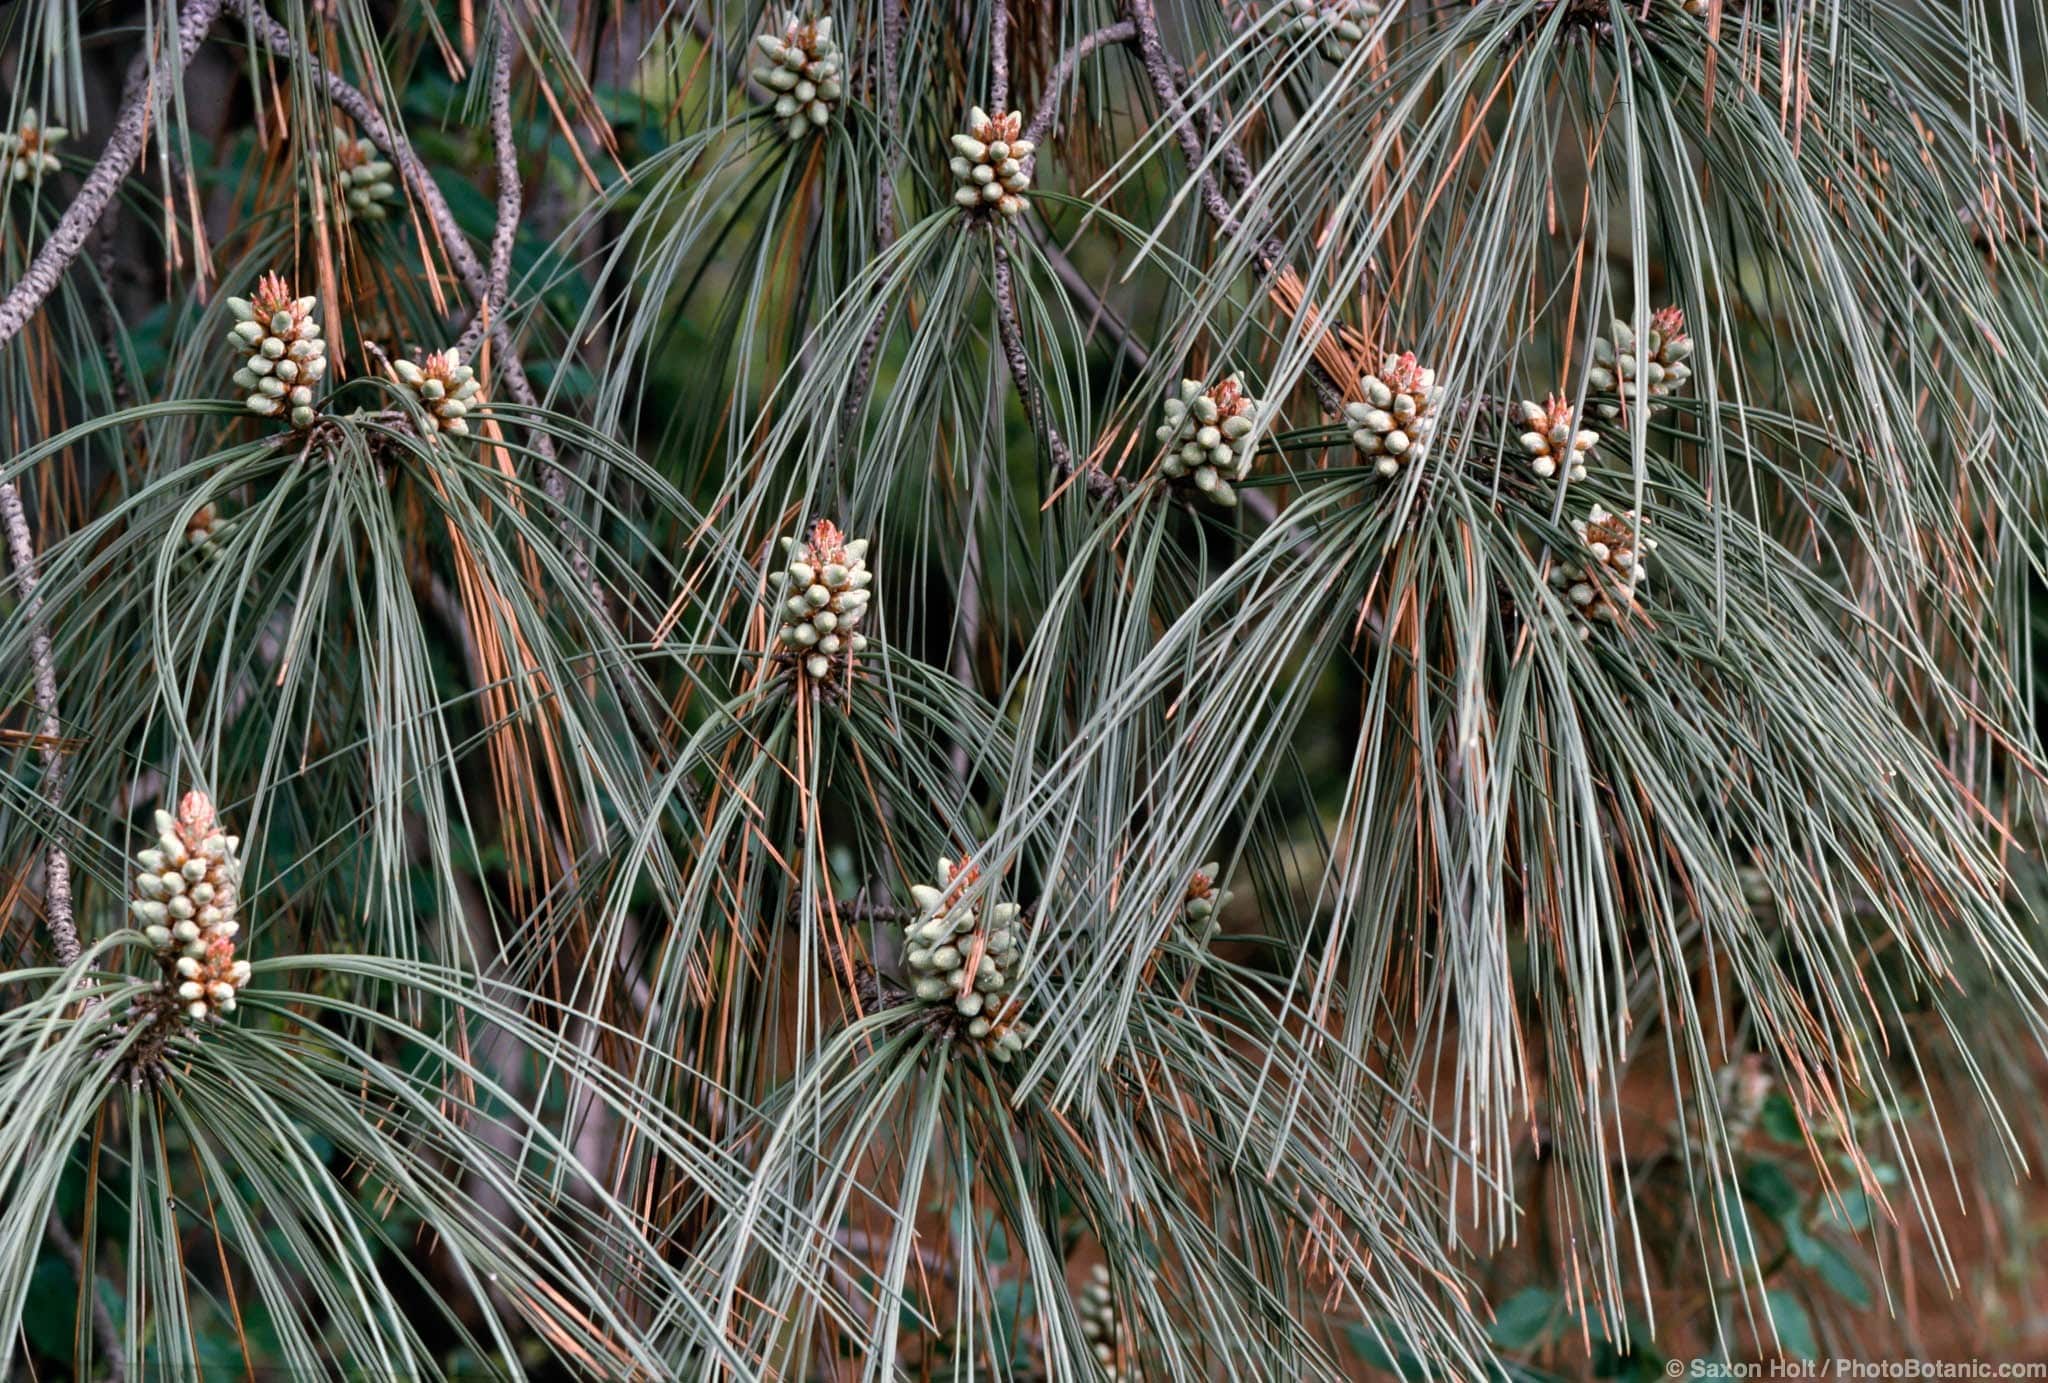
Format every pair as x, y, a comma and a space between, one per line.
510, 193
21, 550
1100, 485
506, 150
999, 57
1123, 31
885, 236
1160, 68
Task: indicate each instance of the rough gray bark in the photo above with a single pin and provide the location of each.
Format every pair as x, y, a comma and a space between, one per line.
506, 151
21, 552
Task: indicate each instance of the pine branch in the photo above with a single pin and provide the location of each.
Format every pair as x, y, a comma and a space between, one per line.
1100, 485
999, 57
1267, 252
510, 193
1160, 68
74, 228
475, 278
1237, 169
885, 236
106, 314
57, 882
1123, 31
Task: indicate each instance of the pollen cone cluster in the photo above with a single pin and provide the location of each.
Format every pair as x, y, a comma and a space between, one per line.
824, 595
445, 387
25, 153
988, 162
956, 956
1340, 27
365, 178
203, 528
1102, 1327
1606, 584
283, 353
1204, 903
184, 901
1664, 370
1551, 438
1205, 432
1744, 1086
1395, 414
803, 71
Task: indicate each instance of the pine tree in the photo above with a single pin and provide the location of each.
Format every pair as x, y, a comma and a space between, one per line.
894, 691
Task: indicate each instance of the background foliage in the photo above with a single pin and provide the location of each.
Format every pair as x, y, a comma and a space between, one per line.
1587, 993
